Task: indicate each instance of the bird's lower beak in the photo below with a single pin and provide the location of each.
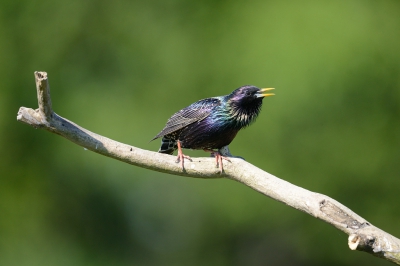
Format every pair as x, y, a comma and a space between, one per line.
261, 94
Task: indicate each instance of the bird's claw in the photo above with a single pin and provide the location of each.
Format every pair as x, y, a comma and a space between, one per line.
218, 158
181, 157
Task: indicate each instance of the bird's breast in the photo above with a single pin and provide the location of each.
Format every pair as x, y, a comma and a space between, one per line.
207, 134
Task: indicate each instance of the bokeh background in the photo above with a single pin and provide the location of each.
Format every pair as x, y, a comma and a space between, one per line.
121, 68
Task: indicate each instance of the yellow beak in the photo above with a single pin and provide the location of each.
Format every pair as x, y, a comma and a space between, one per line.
266, 94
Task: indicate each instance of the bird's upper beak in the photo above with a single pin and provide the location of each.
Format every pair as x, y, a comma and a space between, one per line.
261, 94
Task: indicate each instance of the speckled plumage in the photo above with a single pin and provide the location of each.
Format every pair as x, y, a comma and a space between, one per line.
212, 123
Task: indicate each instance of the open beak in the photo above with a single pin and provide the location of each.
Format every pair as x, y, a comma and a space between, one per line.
261, 94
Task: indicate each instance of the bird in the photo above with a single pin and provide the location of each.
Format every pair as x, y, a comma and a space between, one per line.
212, 123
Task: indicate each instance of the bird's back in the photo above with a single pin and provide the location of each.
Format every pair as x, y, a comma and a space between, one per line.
189, 115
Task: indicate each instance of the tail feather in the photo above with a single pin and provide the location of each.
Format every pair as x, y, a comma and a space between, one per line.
168, 146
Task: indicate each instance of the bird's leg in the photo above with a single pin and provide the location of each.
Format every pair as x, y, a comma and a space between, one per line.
218, 158
181, 156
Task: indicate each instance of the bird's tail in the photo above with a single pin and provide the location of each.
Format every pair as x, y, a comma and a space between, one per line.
168, 146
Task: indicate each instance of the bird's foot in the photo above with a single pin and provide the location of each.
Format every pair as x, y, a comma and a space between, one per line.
181, 157
218, 158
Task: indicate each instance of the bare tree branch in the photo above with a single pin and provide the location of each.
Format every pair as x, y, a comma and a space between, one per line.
363, 236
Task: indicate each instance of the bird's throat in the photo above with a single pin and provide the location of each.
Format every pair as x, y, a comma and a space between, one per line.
243, 116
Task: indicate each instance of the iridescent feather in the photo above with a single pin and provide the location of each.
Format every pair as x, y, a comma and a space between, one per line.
212, 123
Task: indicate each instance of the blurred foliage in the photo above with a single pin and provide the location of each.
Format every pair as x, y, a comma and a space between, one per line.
122, 68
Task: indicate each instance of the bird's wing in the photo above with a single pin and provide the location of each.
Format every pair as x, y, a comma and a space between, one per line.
193, 113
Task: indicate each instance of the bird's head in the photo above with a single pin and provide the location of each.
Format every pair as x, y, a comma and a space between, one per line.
244, 104
247, 95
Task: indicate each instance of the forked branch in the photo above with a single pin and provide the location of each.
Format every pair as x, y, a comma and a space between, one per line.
363, 236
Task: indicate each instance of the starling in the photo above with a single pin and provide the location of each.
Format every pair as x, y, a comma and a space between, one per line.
212, 123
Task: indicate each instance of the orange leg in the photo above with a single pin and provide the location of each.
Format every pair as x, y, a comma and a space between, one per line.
218, 159
181, 156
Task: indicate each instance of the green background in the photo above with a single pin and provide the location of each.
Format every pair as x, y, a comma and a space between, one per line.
121, 68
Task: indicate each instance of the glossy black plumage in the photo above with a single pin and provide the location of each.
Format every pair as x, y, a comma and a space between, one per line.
212, 123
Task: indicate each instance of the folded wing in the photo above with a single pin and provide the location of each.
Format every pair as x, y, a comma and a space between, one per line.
193, 113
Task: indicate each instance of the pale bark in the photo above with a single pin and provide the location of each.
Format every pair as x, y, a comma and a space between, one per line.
363, 235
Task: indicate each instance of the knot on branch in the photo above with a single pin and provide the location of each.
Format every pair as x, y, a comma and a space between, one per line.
362, 242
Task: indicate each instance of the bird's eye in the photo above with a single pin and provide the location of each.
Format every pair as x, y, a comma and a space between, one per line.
248, 93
